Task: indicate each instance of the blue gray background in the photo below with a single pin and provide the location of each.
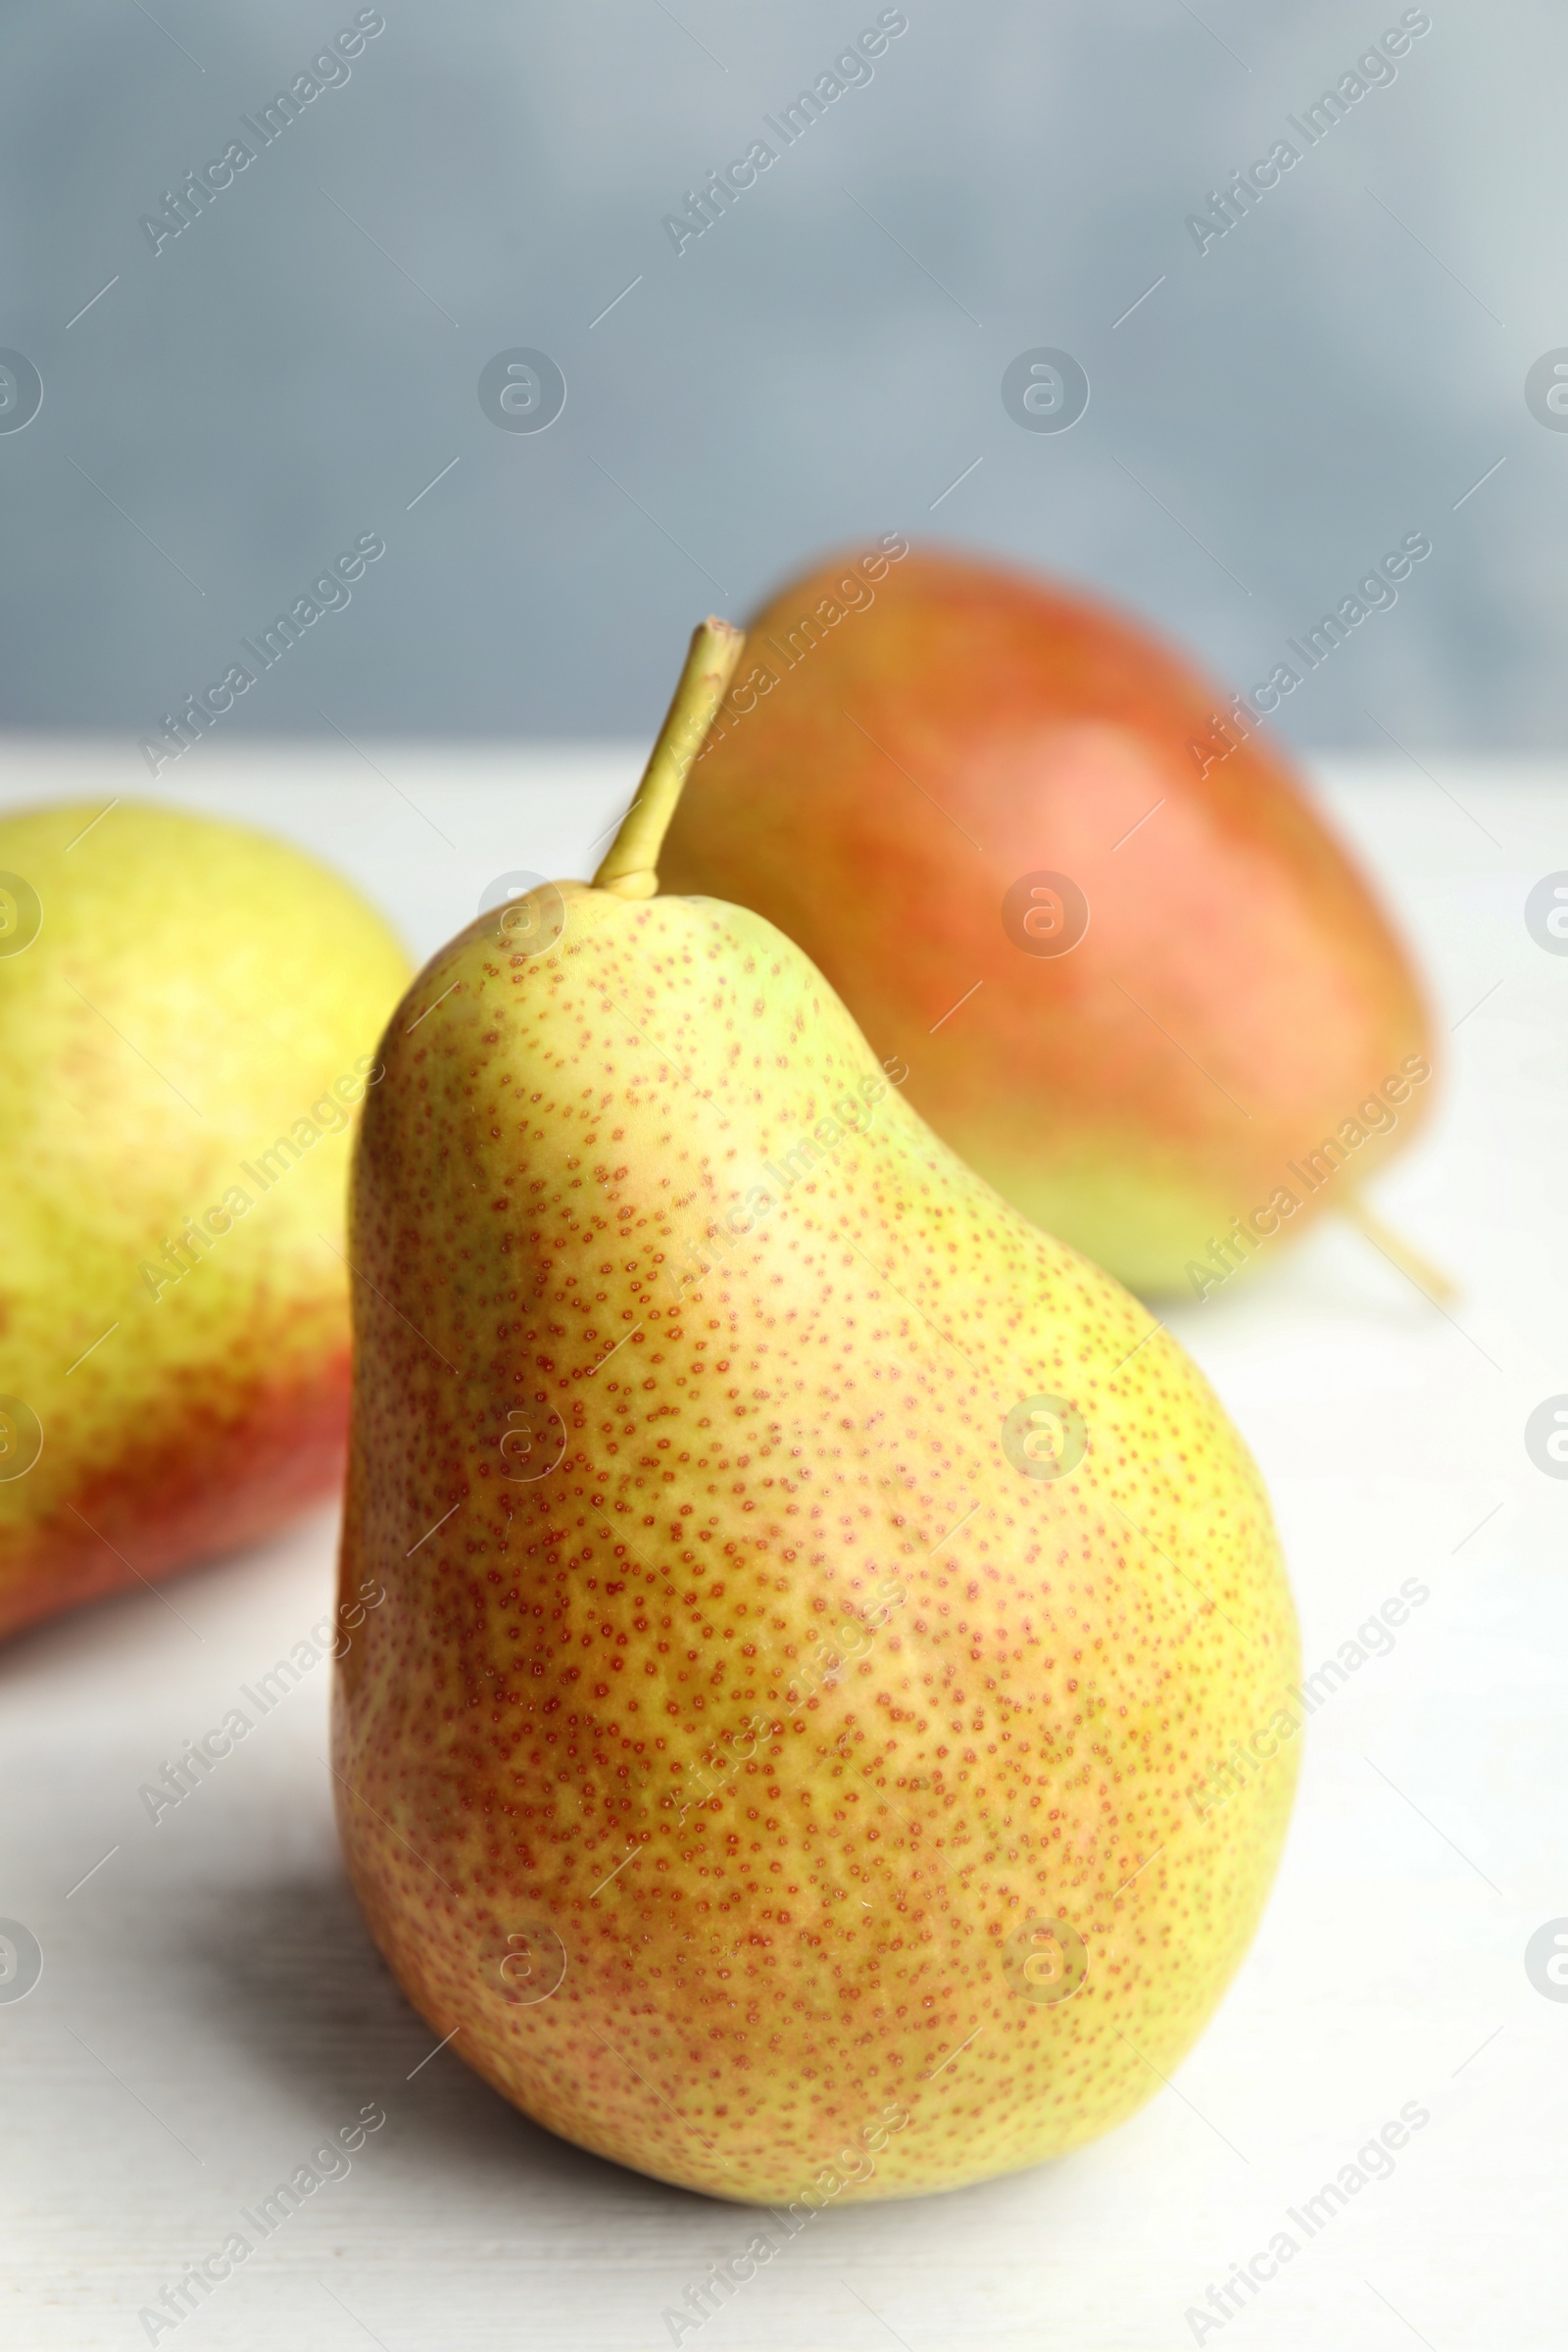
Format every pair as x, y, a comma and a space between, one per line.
823, 364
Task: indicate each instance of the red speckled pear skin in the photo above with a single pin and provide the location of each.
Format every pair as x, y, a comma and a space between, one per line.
241, 1457
776, 1771
933, 737
187, 1013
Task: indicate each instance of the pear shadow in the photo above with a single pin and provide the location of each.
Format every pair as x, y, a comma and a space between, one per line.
288, 1972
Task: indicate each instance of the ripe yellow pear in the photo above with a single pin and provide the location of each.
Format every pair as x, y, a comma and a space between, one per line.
827, 1735
188, 1011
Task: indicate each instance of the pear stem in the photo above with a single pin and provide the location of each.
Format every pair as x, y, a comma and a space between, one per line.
630, 867
1399, 1251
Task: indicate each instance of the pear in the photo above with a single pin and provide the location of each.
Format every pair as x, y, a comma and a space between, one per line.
829, 1733
1139, 985
188, 1011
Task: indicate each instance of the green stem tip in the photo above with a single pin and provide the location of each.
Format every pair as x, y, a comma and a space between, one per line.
630, 868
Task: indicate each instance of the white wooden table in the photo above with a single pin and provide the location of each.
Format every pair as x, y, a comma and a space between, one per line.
210, 2007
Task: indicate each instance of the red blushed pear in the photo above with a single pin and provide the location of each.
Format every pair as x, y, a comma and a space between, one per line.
829, 1733
1139, 983
187, 1016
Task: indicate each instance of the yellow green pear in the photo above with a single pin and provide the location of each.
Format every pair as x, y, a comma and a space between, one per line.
829, 1730
188, 1013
